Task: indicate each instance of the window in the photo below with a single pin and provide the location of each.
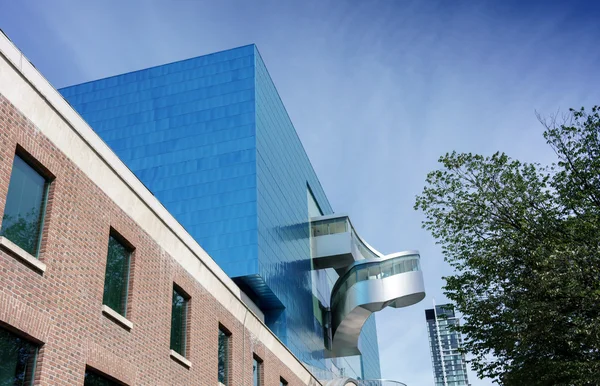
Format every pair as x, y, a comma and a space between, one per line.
338, 226
17, 359
116, 279
257, 371
224, 337
179, 321
94, 379
330, 227
282, 382
25, 207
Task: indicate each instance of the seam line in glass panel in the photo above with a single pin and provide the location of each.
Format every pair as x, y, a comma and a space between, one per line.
208, 146
166, 85
91, 116
122, 101
142, 125
149, 69
106, 121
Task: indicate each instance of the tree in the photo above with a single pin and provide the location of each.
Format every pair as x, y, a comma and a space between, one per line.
524, 242
23, 230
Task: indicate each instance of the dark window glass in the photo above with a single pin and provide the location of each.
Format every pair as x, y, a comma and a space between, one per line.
282, 382
25, 206
178, 322
223, 357
94, 379
17, 360
116, 279
256, 371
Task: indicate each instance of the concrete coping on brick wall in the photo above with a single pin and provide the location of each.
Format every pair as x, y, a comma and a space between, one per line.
180, 358
27, 89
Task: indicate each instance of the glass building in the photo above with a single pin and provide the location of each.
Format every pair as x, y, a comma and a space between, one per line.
211, 139
449, 365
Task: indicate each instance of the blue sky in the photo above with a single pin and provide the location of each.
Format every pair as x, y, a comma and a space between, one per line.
377, 92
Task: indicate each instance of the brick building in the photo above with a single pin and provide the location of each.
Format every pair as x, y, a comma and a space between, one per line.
99, 284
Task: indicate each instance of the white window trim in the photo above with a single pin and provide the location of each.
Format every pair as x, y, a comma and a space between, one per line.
181, 359
22, 255
114, 315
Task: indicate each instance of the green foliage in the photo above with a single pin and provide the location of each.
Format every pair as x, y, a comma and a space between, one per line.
178, 323
223, 366
524, 241
23, 230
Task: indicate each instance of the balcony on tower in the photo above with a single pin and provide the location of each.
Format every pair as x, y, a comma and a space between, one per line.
368, 280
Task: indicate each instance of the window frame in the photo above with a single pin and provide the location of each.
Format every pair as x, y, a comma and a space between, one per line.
102, 375
36, 345
130, 252
259, 370
185, 320
223, 331
49, 178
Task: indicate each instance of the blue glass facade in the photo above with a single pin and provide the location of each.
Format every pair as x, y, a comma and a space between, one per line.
211, 139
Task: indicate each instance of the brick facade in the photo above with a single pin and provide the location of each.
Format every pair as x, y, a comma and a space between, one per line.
61, 308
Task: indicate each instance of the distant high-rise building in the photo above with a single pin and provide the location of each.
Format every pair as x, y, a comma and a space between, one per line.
449, 365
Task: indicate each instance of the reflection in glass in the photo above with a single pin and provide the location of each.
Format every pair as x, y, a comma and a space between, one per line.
116, 279
24, 210
223, 357
178, 322
95, 379
17, 360
256, 372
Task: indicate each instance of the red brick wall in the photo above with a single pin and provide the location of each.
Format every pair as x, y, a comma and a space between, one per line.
62, 307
